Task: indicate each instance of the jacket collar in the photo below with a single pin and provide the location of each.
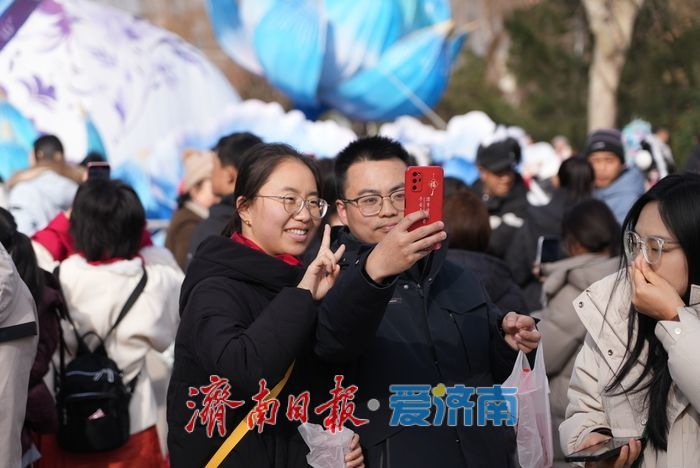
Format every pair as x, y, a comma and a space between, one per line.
695, 296
607, 325
557, 273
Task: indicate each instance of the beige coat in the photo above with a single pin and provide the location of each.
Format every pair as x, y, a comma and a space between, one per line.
590, 407
18, 343
562, 331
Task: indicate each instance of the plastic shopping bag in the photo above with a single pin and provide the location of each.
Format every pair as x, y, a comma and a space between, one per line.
328, 449
534, 428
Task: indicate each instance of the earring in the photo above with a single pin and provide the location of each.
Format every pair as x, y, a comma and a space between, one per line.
247, 222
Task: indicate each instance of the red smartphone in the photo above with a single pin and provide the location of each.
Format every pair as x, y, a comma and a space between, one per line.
98, 170
424, 191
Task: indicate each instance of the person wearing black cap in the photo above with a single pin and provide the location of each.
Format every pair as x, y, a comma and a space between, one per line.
503, 191
614, 183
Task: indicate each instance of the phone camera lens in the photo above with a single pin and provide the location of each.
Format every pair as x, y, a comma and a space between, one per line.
415, 174
414, 187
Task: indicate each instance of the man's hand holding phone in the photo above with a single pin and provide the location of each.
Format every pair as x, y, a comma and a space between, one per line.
401, 248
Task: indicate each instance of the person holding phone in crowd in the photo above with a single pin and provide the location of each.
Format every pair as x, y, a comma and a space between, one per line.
248, 312
590, 237
637, 373
401, 313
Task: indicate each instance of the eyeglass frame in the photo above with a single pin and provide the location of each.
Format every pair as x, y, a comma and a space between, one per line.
322, 203
355, 201
642, 243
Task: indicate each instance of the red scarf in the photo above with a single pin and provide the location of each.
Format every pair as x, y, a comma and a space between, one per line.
289, 259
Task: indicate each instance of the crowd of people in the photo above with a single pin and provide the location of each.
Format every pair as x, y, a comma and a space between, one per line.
280, 274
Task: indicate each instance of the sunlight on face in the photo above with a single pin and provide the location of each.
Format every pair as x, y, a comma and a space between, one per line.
376, 178
271, 227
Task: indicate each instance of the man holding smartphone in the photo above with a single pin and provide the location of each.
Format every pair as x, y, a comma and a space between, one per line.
402, 314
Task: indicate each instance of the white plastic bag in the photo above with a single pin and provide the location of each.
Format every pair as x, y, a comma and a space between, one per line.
534, 429
328, 449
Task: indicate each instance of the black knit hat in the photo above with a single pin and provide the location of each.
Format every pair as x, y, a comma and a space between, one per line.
606, 139
499, 156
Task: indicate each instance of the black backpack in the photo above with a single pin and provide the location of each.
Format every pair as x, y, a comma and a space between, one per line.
91, 398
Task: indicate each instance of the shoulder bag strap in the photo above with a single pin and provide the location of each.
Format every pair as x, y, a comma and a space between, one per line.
242, 429
130, 301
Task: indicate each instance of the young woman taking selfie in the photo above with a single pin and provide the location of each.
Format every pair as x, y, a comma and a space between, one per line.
248, 312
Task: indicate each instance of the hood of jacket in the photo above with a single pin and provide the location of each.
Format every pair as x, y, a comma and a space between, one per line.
580, 271
489, 269
629, 180
219, 256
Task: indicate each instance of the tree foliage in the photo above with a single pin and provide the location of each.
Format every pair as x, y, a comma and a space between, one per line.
550, 56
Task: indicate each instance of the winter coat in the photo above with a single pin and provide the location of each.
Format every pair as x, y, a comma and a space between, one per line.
35, 202
506, 214
219, 216
18, 344
494, 276
242, 319
41, 416
562, 331
622, 193
181, 228
603, 352
542, 220
432, 324
95, 294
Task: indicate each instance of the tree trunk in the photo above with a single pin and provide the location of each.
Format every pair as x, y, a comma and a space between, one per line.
611, 23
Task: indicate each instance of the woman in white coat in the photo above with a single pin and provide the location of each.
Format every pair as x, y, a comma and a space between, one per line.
106, 227
638, 373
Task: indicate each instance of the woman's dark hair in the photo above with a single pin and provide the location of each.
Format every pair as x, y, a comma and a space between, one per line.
20, 249
107, 220
678, 196
329, 190
452, 185
593, 225
259, 162
576, 179
466, 221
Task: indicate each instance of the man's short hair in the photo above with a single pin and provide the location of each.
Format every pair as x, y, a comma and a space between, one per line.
374, 148
46, 147
230, 149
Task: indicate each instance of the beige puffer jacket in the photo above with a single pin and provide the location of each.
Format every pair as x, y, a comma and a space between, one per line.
562, 331
603, 352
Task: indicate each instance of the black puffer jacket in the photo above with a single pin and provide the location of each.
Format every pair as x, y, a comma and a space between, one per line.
494, 276
507, 214
242, 319
432, 324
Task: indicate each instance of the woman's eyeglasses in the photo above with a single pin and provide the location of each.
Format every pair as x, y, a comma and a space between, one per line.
294, 204
652, 247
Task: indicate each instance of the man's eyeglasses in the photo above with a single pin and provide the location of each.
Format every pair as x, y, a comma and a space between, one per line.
294, 204
370, 205
652, 247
